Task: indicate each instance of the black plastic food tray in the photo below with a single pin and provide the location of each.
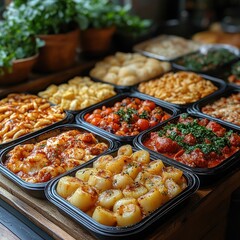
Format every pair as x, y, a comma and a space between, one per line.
68, 119
110, 102
207, 176
225, 72
204, 49
119, 88
219, 83
37, 189
196, 108
129, 232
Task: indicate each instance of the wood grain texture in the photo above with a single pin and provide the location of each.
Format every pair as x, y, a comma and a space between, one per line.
5, 234
41, 212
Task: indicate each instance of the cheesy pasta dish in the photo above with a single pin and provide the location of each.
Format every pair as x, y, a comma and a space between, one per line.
49, 158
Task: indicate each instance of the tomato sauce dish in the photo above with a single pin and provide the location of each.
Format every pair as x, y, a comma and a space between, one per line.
126, 115
37, 160
201, 145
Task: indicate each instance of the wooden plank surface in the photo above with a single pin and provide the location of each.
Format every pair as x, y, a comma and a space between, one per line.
5, 234
41, 212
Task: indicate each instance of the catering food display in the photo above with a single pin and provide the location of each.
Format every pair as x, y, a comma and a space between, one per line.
208, 58
121, 190
145, 131
21, 114
78, 93
179, 87
166, 47
127, 69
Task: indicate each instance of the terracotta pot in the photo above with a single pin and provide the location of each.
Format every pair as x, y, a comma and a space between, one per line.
20, 71
59, 52
96, 41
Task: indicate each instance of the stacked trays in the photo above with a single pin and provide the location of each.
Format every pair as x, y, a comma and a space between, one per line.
38, 151
191, 144
126, 117
100, 221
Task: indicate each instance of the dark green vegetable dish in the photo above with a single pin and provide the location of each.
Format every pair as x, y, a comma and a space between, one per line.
209, 61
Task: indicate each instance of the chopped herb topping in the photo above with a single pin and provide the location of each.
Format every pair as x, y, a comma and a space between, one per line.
206, 139
203, 62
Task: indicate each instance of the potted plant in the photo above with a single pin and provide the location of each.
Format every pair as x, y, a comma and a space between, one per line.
131, 30
53, 22
99, 21
18, 51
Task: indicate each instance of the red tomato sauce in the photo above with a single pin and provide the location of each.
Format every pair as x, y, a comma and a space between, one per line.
197, 143
127, 117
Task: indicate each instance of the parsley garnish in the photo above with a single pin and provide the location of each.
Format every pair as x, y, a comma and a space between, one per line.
201, 134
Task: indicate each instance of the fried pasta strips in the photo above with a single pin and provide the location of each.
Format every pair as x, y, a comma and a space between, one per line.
21, 114
44, 160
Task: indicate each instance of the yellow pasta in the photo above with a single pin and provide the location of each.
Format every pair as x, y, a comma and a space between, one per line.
84, 197
128, 215
78, 93
67, 186
109, 197
179, 88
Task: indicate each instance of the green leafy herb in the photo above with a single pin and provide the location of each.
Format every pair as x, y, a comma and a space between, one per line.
44, 17
144, 115
105, 13
127, 114
210, 60
17, 41
201, 134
